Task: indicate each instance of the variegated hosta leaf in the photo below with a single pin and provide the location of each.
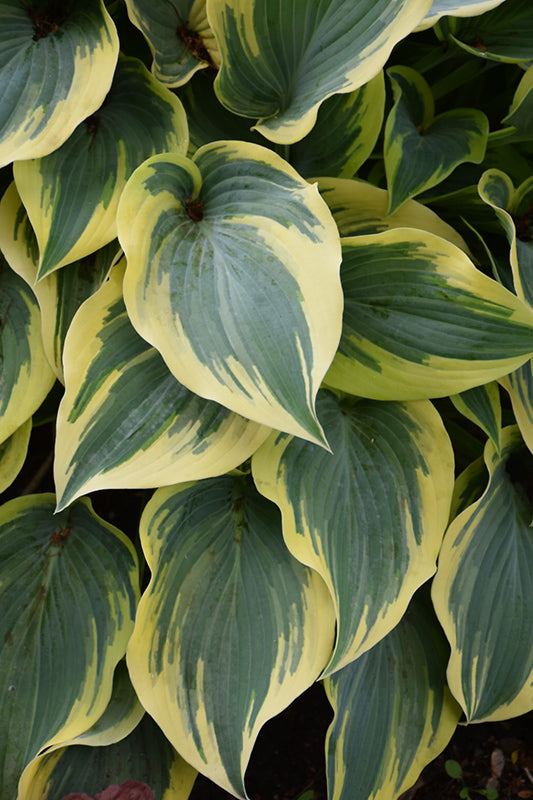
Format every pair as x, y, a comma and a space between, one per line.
179, 37
231, 628
346, 130
359, 207
503, 34
233, 275
520, 115
144, 755
66, 620
423, 321
519, 384
25, 375
481, 405
72, 195
422, 149
281, 61
370, 517
393, 711
456, 8
13, 454
469, 486
60, 293
513, 207
125, 421
56, 67
208, 120
483, 593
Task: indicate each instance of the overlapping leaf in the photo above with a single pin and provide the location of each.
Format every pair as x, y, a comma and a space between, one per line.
520, 116
423, 321
231, 628
179, 37
13, 453
457, 8
25, 375
346, 130
125, 421
60, 293
75, 48
233, 275
421, 149
72, 195
393, 711
279, 63
483, 592
65, 617
514, 210
144, 755
360, 207
519, 384
482, 406
369, 517
504, 33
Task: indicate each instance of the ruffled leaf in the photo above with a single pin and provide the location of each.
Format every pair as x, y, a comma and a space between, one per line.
233, 259
75, 46
279, 63
211, 665
370, 517
423, 321
489, 545
125, 421
72, 195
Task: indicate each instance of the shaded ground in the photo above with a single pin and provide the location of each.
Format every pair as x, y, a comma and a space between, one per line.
288, 760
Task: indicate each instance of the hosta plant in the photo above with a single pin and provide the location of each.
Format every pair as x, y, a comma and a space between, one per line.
269, 267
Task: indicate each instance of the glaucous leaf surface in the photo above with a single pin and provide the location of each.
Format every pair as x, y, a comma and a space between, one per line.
368, 517
66, 617
179, 37
393, 711
281, 61
487, 554
423, 321
145, 754
233, 261
60, 293
25, 374
13, 453
125, 421
421, 149
231, 629
76, 47
72, 195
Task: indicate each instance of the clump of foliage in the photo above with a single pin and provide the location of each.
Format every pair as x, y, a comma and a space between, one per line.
214, 276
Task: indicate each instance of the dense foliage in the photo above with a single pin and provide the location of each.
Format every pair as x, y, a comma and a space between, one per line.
215, 278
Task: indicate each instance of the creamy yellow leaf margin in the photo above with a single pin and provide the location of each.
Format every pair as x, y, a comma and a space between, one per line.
231, 628
463, 8
99, 416
79, 69
271, 70
487, 555
13, 453
435, 325
59, 293
359, 208
390, 478
233, 259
